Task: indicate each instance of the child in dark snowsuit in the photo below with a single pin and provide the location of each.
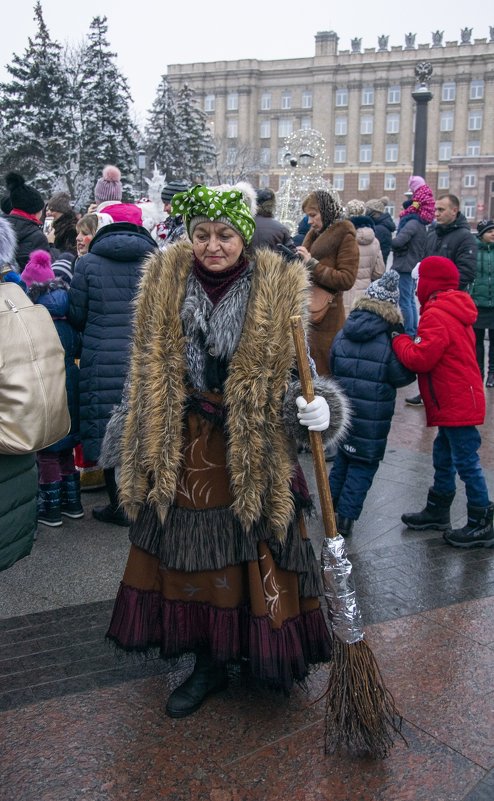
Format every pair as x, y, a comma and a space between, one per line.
58, 482
363, 363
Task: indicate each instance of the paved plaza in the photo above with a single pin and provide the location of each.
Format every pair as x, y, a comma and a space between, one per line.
79, 722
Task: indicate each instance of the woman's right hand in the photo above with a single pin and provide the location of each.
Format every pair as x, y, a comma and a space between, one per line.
303, 254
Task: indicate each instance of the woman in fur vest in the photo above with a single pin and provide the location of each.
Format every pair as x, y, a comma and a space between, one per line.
331, 254
220, 564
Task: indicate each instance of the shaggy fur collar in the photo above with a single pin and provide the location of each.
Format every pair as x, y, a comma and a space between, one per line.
383, 308
328, 241
170, 309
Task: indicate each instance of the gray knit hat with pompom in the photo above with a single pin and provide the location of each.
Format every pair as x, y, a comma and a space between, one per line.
385, 288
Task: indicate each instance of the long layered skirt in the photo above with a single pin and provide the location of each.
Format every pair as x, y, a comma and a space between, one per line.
199, 581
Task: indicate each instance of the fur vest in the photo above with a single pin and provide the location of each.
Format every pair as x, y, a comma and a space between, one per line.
163, 357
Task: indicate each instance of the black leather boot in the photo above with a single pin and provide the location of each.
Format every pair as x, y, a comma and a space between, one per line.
344, 525
111, 513
50, 503
208, 677
435, 515
71, 496
478, 531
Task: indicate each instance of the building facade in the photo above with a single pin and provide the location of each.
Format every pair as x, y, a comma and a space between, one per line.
361, 102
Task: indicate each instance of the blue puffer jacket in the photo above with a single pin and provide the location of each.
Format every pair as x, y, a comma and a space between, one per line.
54, 296
101, 294
363, 363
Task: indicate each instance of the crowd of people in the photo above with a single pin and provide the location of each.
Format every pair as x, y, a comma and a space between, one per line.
183, 389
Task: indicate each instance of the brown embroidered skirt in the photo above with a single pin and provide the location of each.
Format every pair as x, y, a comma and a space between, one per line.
199, 581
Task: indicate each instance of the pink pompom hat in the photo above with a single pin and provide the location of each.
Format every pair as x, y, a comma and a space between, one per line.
38, 269
109, 186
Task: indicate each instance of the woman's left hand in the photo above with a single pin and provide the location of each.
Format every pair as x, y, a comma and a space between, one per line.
315, 415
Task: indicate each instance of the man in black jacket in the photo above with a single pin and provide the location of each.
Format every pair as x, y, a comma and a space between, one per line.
451, 237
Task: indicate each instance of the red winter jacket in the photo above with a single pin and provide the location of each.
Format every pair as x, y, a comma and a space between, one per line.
443, 356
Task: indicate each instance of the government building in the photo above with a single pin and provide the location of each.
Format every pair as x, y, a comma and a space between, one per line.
360, 101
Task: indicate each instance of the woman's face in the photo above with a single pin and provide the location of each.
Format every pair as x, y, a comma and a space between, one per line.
82, 241
315, 220
217, 246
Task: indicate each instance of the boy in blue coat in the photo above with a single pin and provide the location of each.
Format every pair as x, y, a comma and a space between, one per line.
363, 363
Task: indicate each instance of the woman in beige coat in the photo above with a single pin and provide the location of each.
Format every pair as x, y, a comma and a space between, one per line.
371, 264
331, 254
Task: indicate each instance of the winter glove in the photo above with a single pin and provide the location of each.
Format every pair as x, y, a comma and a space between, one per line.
314, 415
397, 328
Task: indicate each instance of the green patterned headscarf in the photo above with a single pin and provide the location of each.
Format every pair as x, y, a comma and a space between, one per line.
203, 204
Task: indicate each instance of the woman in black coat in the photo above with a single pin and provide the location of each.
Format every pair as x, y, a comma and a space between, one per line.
363, 363
101, 306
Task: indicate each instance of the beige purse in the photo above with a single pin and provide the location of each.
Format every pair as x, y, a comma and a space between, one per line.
33, 400
319, 302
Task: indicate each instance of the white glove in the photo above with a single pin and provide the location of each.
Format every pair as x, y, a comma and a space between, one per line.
314, 415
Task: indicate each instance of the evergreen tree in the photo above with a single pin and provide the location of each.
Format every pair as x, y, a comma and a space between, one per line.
108, 135
195, 139
162, 140
36, 137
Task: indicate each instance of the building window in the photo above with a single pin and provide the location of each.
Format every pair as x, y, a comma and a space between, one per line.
475, 120
283, 181
390, 182
390, 208
365, 155
363, 181
263, 181
339, 182
285, 127
368, 96
391, 153
448, 91
265, 129
286, 100
392, 123
232, 129
473, 148
265, 156
232, 101
394, 94
231, 156
469, 181
340, 154
282, 161
341, 97
366, 124
209, 103
443, 180
469, 208
306, 99
266, 101
445, 151
305, 123
341, 126
447, 121
476, 90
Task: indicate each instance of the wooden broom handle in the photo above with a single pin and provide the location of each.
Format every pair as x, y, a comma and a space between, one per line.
317, 447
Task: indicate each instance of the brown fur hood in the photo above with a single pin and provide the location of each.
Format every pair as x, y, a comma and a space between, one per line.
259, 460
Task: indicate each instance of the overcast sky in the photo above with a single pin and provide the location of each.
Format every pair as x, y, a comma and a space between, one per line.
150, 35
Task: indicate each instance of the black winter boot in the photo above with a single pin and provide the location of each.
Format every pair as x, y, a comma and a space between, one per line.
435, 515
208, 677
344, 525
111, 513
477, 532
71, 496
50, 503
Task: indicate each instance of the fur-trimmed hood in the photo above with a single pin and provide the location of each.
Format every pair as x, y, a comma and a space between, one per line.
8, 243
383, 308
259, 452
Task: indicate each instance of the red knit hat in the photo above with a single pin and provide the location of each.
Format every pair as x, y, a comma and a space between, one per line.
436, 274
38, 269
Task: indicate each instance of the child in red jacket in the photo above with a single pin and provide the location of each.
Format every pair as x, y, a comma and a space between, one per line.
443, 356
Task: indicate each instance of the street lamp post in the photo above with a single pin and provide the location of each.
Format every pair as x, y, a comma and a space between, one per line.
141, 163
422, 97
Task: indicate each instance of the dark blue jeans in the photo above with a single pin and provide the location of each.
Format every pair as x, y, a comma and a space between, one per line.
455, 450
408, 304
349, 482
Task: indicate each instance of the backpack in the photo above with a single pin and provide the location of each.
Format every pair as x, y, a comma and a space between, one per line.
33, 400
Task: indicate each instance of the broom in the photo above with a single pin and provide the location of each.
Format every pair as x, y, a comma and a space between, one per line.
361, 715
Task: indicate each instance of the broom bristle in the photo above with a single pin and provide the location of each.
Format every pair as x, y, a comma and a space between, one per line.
361, 715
